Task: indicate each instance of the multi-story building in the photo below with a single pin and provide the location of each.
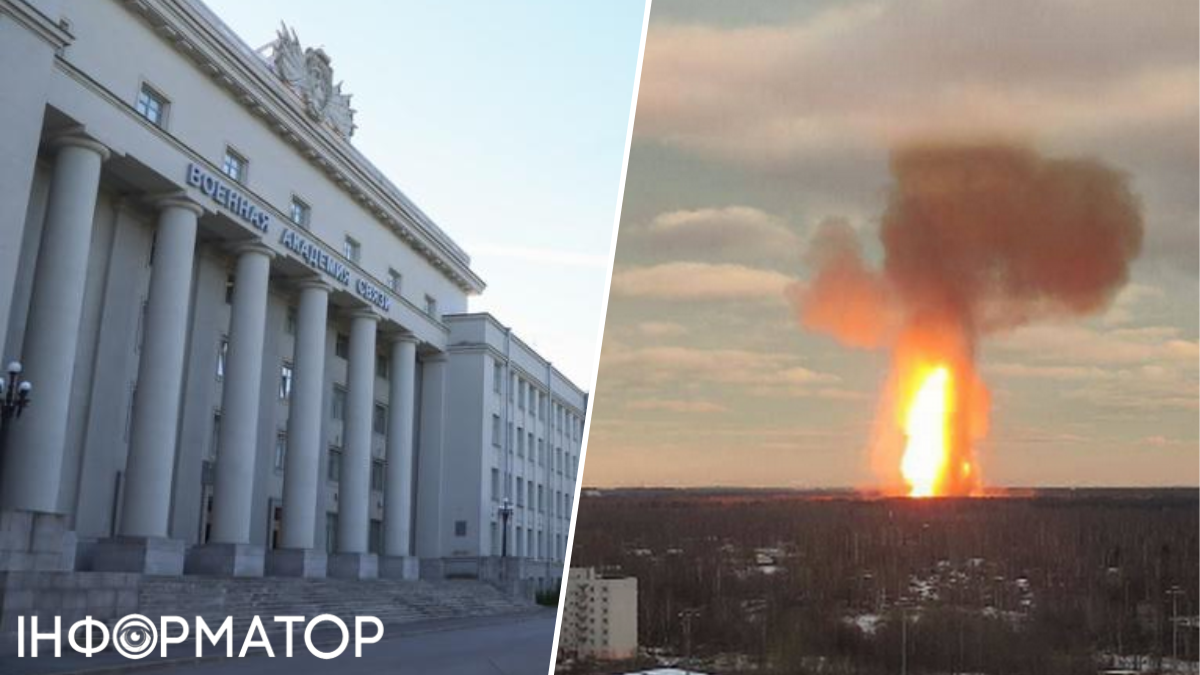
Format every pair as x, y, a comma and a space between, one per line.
514, 448
600, 616
242, 336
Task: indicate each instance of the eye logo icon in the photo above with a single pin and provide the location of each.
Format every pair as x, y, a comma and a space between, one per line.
135, 636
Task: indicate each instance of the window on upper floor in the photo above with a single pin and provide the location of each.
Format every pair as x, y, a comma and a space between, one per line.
352, 249
431, 306
377, 472
300, 212
497, 376
339, 403
379, 419
383, 366
395, 280
152, 105
286, 377
235, 165
341, 346
496, 430
333, 467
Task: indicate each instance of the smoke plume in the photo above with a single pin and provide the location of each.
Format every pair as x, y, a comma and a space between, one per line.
976, 239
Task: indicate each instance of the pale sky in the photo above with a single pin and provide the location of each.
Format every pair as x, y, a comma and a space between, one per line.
757, 121
506, 123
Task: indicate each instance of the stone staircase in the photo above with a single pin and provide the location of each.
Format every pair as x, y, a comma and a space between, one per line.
108, 597
392, 602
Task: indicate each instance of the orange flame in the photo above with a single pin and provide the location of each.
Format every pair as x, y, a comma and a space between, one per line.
926, 427
933, 415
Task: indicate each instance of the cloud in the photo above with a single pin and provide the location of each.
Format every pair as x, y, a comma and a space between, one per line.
1075, 345
699, 281
660, 329
677, 406
661, 365
732, 232
1142, 370
880, 73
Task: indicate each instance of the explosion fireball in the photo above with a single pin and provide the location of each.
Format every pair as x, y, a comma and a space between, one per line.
977, 239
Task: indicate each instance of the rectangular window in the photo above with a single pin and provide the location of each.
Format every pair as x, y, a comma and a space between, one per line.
151, 105
530, 487
377, 475
460, 528
331, 530
541, 501
530, 445
234, 165
216, 435
520, 394
379, 419
286, 377
341, 346
375, 537
395, 281
229, 279
495, 485
497, 376
280, 450
496, 430
431, 306
222, 353
382, 367
300, 213
520, 442
520, 492
339, 403
541, 406
333, 470
289, 324
352, 249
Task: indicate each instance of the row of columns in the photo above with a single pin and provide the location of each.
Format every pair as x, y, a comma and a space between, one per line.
34, 460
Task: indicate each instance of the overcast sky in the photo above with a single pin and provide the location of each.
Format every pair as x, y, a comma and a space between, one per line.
506, 123
758, 120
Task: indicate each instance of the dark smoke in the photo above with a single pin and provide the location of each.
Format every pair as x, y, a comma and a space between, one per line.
976, 239
987, 236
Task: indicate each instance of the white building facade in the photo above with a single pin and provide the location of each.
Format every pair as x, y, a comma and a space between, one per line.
515, 442
241, 335
599, 618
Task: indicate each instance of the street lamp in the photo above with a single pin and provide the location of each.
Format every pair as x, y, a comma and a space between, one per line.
14, 393
506, 511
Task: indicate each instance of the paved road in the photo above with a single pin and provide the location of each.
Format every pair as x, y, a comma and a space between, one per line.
516, 646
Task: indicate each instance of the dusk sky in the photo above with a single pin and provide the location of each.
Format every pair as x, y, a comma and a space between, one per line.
756, 122
506, 123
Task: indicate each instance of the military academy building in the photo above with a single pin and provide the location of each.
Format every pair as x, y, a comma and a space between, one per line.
250, 352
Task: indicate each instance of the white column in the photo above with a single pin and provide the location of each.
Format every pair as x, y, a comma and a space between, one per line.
33, 466
236, 445
151, 462
354, 491
302, 470
429, 466
397, 505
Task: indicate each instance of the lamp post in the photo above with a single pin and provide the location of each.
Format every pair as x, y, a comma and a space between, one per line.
14, 393
506, 511
14, 396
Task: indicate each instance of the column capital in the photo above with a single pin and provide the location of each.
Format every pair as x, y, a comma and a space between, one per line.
313, 282
253, 247
363, 313
178, 201
78, 140
400, 336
